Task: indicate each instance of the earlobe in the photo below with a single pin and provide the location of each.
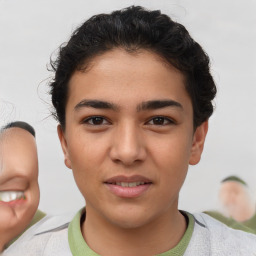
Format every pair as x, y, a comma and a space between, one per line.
63, 143
198, 143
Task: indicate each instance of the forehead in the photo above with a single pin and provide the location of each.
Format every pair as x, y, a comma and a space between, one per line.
16, 136
117, 73
18, 154
15, 144
18, 157
229, 186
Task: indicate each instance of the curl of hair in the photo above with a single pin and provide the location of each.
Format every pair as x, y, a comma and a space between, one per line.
132, 29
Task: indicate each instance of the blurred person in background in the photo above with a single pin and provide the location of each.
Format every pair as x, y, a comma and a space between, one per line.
237, 205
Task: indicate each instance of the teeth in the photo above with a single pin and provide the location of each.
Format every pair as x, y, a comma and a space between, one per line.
124, 184
8, 196
132, 184
129, 184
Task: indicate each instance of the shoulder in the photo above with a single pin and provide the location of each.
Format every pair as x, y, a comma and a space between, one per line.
223, 240
47, 237
231, 222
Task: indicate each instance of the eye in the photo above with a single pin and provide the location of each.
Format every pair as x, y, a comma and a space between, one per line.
95, 120
160, 120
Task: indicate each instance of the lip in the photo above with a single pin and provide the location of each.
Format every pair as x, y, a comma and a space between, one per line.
128, 192
122, 178
14, 202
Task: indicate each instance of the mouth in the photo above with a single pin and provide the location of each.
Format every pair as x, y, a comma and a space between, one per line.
128, 184
128, 187
11, 196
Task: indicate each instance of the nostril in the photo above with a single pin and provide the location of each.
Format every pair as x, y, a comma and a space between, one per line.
128, 156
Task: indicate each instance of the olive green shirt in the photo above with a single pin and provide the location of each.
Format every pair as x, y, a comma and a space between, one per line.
79, 247
247, 226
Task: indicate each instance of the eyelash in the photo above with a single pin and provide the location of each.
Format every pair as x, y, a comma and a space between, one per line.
101, 119
166, 121
94, 118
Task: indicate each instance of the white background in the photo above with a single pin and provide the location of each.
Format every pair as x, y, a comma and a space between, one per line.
31, 30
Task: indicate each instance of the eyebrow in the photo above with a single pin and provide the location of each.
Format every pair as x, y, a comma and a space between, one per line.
157, 104
147, 105
98, 104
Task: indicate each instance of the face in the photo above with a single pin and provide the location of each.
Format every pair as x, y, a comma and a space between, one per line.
234, 197
129, 137
19, 192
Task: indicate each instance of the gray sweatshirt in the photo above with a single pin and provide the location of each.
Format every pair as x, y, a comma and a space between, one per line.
49, 237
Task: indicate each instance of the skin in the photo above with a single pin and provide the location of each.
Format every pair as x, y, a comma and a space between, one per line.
236, 201
18, 172
128, 140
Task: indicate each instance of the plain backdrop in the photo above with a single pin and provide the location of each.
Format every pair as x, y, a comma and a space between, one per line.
32, 30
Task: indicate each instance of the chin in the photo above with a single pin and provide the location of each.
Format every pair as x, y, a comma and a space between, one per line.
129, 224
129, 220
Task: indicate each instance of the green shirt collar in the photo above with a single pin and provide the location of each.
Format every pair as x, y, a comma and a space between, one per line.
79, 247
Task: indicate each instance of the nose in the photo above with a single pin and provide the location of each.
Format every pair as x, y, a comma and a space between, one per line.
128, 145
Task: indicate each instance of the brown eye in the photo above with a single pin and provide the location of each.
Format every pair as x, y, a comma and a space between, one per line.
96, 120
160, 120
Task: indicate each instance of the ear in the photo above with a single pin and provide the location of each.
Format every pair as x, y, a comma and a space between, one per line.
64, 146
198, 143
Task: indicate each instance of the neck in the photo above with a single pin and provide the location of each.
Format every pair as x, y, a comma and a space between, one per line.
155, 237
1, 247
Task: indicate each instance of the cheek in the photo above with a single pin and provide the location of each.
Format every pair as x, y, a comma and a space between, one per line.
35, 193
242, 199
172, 153
32, 197
172, 160
88, 150
84, 146
85, 161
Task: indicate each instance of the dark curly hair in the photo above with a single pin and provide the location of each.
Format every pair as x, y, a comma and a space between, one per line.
132, 29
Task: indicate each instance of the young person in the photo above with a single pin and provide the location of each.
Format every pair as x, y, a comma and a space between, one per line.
19, 190
133, 93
